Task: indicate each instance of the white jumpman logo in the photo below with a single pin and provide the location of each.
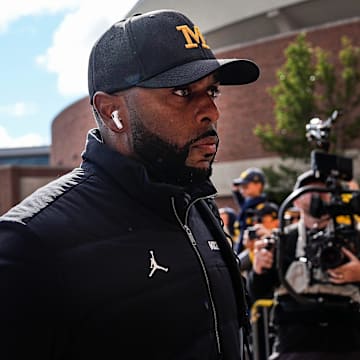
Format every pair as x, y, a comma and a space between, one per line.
154, 265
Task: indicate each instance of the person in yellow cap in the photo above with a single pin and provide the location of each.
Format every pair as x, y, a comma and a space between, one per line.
265, 220
248, 191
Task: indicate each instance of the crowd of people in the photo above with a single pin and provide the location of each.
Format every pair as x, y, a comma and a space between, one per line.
315, 312
128, 256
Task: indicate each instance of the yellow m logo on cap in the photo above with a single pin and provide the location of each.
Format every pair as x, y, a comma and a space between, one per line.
193, 38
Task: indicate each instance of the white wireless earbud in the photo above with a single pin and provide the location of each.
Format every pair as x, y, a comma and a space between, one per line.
116, 119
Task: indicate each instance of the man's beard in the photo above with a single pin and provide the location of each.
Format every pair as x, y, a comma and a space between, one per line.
165, 162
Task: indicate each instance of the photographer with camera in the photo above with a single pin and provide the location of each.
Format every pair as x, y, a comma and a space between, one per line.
264, 220
326, 325
248, 192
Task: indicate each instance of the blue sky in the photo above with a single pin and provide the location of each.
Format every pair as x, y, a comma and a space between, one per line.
45, 46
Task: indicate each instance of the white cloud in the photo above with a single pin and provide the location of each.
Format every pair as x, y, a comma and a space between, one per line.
83, 23
15, 9
68, 55
18, 109
32, 139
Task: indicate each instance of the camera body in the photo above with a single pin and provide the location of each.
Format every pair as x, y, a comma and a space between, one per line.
252, 233
323, 247
269, 243
323, 250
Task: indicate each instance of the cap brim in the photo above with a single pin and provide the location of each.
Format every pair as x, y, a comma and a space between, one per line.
240, 182
230, 72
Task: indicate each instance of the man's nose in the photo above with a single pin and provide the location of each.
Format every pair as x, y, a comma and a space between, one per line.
207, 110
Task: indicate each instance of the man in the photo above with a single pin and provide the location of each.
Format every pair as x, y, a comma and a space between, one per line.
328, 328
248, 190
265, 220
124, 257
267, 215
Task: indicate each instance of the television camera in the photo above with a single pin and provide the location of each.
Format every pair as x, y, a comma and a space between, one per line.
323, 247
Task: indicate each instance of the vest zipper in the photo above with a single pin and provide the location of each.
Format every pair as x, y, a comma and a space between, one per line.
203, 268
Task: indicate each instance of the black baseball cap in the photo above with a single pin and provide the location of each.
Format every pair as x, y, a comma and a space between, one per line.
250, 175
267, 208
159, 49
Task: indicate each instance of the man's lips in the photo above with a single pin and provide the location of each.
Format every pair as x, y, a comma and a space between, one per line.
208, 144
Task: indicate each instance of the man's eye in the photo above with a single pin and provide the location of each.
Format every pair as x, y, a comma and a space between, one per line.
214, 92
182, 92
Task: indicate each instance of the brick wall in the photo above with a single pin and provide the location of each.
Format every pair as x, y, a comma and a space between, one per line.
245, 106
241, 107
68, 132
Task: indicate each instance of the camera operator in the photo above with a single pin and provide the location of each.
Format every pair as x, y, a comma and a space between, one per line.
264, 220
328, 328
248, 192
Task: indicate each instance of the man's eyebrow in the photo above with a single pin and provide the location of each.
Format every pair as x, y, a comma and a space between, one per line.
215, 83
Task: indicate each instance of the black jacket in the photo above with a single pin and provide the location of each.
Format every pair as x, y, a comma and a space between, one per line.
78, 278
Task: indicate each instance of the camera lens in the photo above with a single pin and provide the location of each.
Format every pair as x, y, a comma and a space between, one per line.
252, 233
331, 257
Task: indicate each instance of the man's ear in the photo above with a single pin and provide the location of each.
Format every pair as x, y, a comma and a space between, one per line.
297, 203
109, 108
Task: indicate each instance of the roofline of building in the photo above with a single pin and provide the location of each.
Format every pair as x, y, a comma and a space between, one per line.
25, 151
286, 34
